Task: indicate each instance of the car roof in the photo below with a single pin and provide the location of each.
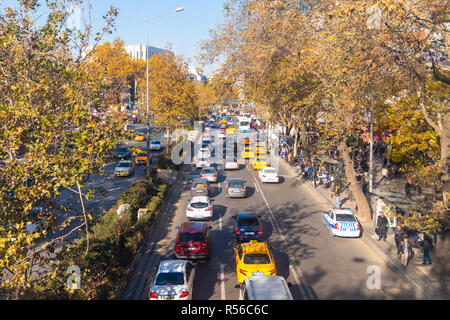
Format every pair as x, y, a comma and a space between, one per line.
235, 180
208, 168
200, 199
268, 287
166, 266
124, 161
342, 211
268, 168
255, 247
246, 215
189, 227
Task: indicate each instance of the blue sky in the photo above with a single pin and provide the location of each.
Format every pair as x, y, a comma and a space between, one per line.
183, 30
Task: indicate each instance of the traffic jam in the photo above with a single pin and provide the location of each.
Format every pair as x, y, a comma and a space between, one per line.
230, 141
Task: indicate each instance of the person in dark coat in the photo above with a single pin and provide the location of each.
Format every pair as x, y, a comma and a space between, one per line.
427, 246
382, 225
399, 235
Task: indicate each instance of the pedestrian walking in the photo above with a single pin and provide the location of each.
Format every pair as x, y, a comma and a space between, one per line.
310, 173
405, 252
399, 235
382, 225
384, 175
338, 196
427, 246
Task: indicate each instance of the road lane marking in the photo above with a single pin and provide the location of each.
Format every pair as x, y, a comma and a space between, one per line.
222, 282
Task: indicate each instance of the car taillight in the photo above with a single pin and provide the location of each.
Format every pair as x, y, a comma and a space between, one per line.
244, 272
190, 209
208, 209
260, 231
202, 176
184, 294
264, 176
214, 176
277, 177
273, 272
243, 190
238, 231
153, 295
357, 226
336, 226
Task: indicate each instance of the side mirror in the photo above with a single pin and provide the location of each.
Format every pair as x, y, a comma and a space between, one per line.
290, 285
237, 286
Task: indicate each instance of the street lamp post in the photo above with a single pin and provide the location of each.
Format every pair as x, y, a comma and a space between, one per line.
147, 20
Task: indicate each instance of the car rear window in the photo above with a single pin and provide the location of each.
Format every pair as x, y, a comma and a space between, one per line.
345, 217
235, 184
270, 171
169, 278
199, 185
123, 165
207, 171
256, 258
248, 222
199, 205
156, 142
192, 237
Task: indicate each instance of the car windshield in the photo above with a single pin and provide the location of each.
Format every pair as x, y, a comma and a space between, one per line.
248, 222
122, 150
199, 205
192, 237
243, 124
156, 142
270, 171
345, 217
202, 159
235, 184
123, 165
169, 278
230, 159
256, 258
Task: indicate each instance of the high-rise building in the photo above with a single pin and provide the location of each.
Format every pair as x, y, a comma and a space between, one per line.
137, 51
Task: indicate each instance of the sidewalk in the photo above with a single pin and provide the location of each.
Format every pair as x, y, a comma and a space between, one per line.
417, 274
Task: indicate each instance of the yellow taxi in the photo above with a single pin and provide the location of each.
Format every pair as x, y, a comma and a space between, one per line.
141, 158
140, 136
245, 141
253, 259
223, 121
230, 130
259, 162
247, 153
259, 150
130, 134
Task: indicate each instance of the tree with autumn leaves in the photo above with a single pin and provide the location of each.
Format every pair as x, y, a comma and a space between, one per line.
350, 58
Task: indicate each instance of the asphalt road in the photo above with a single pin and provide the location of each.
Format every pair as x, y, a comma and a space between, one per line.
318, 266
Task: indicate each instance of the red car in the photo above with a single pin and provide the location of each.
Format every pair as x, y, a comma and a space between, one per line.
193, 241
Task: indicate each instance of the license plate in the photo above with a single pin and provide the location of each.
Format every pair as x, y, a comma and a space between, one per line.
192, 249
257, 273
235, 191
249, 233
166, 298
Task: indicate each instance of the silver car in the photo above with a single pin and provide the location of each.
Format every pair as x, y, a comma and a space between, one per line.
231, 163
124, 168
209, 173
236, 188
174, 280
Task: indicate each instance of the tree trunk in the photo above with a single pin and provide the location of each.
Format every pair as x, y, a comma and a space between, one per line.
350, 173
167, 139
295, 142
444, 161
441, 258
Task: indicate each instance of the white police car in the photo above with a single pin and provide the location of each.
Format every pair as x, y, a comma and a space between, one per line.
341, 222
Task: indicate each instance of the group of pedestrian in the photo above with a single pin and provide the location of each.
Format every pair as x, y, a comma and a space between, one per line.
405, 247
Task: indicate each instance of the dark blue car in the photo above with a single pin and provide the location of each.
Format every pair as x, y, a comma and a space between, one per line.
247, 227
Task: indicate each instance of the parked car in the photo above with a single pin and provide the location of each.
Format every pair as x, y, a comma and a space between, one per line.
200, 187
174, 280
124, 168
199, 208
235, 188
192, 241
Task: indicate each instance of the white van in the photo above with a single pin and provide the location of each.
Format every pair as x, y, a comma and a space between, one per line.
244, 125
265, 288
